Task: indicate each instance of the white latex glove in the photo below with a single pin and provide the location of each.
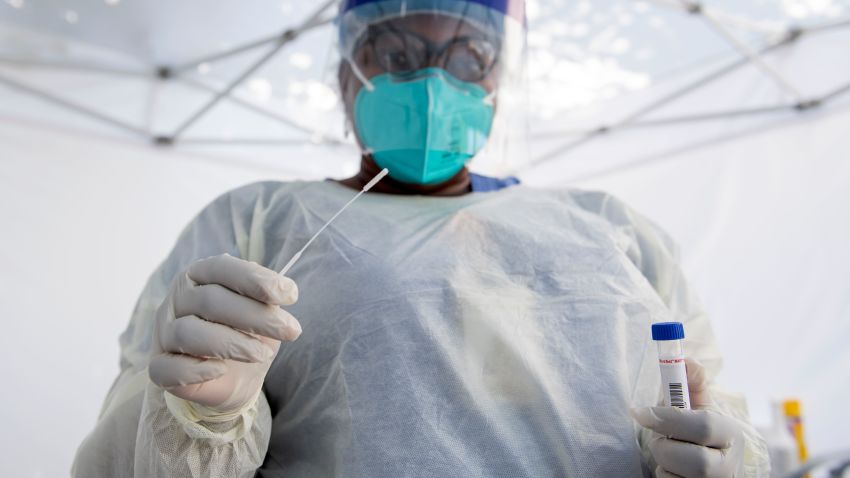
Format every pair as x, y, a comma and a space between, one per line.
696, 443
218, 331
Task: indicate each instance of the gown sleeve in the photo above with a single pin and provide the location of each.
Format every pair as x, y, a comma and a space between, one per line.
655, 254
143, 431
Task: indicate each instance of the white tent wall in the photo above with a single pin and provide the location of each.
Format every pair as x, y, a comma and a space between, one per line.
86, 220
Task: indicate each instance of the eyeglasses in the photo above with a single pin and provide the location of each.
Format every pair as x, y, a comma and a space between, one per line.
401, 52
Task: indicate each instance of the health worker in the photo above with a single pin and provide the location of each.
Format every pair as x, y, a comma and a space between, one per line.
448, 324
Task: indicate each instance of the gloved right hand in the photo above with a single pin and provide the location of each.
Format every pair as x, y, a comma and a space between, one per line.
219, 329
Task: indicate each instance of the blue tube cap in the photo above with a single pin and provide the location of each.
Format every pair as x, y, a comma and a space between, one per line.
668, 331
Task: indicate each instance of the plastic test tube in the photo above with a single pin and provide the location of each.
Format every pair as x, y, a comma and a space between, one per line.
668, 337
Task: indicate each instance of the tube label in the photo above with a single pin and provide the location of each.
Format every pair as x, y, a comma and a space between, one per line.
674, 379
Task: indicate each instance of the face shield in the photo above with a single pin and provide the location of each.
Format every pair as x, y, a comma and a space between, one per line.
433, 84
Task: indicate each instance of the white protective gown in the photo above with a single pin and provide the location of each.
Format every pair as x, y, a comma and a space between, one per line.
489, 335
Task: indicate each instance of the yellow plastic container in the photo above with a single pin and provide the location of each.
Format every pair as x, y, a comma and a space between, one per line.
794, 418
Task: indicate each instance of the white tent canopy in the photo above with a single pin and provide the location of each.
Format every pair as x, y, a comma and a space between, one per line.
726, 122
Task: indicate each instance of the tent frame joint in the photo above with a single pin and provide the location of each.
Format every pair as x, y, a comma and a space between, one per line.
694, 8
792, 35
163, 141
808, 105
288, 35
165, 72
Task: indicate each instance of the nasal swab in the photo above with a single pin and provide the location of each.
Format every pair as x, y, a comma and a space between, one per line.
367, 187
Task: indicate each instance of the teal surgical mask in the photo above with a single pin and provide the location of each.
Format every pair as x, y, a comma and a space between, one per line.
422, 127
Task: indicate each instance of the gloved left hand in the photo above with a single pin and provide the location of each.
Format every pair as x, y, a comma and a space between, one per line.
697, 443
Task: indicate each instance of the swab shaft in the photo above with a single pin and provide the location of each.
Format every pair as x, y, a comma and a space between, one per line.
366, 188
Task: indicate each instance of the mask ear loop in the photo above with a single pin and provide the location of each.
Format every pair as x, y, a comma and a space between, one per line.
490, 99
349, 126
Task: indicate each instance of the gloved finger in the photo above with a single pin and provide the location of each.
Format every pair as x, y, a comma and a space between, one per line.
247, 278
194, 336
697, 384
172, 370
662, 473
218, 304
701, 427
691, 460
210, 393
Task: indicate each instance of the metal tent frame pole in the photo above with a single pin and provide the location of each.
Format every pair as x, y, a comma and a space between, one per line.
195, 83
801, 104
64, 65
646, 109
727, 114
287, 37
69, 105
655, 157
835, 93
200, 141
315, 20
170, 71
221, 94
311, 22
149, 113
714, 19
678, 93
754, 58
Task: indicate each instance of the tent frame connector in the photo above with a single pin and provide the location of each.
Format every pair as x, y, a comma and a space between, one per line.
164, 73
162, 141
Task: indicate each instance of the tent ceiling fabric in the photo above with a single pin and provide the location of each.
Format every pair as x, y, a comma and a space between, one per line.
163, 32
582, 54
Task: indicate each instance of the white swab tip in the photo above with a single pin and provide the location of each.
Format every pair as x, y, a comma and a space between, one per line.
375, 180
